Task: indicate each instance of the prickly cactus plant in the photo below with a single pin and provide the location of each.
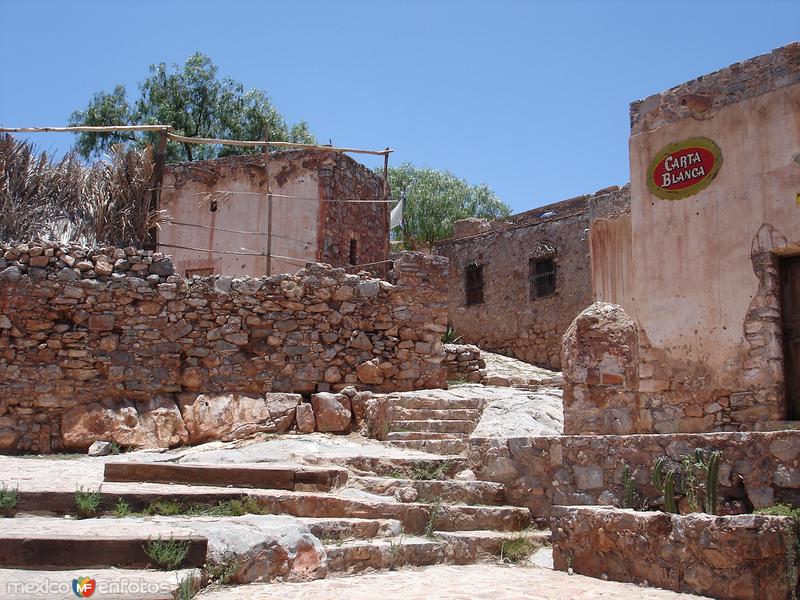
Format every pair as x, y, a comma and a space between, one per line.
664, 482
628, 488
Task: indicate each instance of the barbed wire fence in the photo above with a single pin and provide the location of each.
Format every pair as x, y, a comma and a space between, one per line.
166, 134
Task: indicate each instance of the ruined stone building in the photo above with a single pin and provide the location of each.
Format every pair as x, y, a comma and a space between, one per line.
515, 286
320, 213
706, 268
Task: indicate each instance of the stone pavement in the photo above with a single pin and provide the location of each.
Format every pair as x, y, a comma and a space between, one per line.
503, 370
474, 582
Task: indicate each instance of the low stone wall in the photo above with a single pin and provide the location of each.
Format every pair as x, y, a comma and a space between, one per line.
756, 469
463, 362
744, 557
117, 326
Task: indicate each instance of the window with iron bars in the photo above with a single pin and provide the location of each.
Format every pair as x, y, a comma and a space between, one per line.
542, 276
474, 283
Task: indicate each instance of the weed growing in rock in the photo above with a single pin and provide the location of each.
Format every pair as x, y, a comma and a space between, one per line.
186, 589
167, 554
433, 515
450, 336
516, 550
223, 570
122, 508
165, 508
8, 497
87, 503
427, 471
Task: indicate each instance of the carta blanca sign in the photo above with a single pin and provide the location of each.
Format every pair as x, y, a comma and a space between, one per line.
684, 168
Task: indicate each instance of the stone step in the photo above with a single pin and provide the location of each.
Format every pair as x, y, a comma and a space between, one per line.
434, 446
239, 475
424, 414
350, 528
364, 465
431, 490
492, 542
433, 403
448, 426
389, 553
413, 516
111, 584
30, 543
424, 435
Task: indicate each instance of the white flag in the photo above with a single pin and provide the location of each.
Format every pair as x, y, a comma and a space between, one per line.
396, 217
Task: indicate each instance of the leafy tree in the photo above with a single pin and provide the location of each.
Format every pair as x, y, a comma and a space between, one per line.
433, 200
197, 103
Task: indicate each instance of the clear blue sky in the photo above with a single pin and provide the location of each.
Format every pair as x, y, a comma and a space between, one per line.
530, 97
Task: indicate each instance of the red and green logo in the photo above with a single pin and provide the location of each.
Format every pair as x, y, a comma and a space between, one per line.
684, 168
84, 587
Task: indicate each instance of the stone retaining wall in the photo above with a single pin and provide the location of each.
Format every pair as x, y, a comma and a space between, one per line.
744, 557
463, 362
756, 469
117, 326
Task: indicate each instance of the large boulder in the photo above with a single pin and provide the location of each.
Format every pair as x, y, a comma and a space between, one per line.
233, 416
110, 420
522, 414
332, 412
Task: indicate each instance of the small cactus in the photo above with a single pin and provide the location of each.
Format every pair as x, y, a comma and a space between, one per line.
712, 481
664, 482
628, 488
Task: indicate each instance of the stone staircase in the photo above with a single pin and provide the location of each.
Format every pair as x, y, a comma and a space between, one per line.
302, 522
432, 423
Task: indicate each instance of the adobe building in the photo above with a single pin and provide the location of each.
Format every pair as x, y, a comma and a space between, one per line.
702, 332
515, 286
321, 212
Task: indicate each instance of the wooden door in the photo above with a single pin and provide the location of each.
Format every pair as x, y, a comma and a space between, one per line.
790, 309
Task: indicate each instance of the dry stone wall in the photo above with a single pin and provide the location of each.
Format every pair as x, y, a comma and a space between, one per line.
744, 557
463, 362
756, 469
118, 327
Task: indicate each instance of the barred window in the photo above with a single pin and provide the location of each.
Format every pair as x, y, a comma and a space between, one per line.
474, 283
542, 276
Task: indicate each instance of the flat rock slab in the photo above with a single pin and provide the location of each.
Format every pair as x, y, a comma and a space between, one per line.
242, 476
63, 543
473, 582
521, 413
110, 584
504, 370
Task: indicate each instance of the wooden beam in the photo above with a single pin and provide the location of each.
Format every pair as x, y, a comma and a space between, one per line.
256, 143
86, 128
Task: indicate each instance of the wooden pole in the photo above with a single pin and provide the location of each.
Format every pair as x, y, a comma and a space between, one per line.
86, 128
386, 175
159, 158
254, 143
269, 201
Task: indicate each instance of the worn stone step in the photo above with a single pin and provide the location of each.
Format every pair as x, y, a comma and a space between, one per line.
431, 490
423, 414
413, 516
389, 553
418, 402
80, 544
225, 475
424, 435
492, 542
351, 528
434, 446
448, 426
110, 584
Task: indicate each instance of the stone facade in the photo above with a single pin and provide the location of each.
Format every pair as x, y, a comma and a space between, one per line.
745, 557
698, 276
756, 469
463, 362
321, 212
511, 320
113, 325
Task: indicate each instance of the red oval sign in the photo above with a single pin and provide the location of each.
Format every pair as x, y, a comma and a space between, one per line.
683, 169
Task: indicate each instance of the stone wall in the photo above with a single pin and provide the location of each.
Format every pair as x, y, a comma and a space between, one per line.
509, 320
745, 557
756, 469
117, 326
463, 362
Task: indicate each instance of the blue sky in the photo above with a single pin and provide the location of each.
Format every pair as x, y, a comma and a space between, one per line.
529, 97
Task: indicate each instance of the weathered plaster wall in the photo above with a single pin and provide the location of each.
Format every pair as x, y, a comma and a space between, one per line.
756, 469
509, 321
700, 278
745, 557
113, 325
304, 227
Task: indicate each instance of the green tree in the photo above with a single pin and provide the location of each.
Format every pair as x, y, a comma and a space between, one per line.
433, 200
197, 103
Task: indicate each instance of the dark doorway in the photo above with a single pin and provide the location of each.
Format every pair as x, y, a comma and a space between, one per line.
790, 310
